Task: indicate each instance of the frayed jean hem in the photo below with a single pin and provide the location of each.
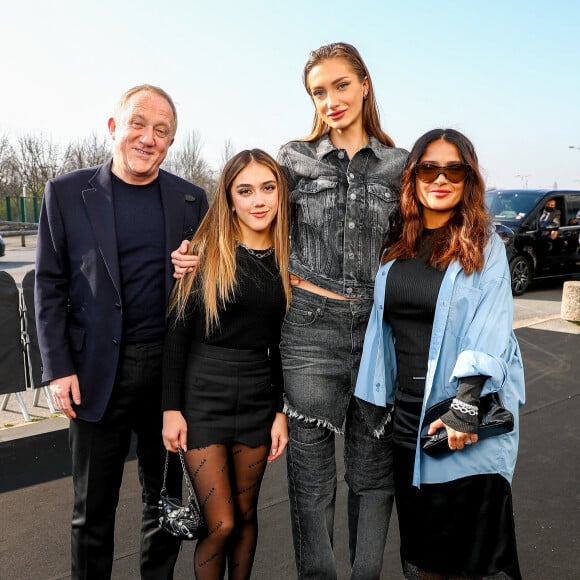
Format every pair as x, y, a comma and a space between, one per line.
320, 422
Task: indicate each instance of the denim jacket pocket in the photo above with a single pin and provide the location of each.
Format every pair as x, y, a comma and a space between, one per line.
314, 198
381, 202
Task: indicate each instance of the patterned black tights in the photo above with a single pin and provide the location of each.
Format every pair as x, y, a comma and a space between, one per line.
227, 481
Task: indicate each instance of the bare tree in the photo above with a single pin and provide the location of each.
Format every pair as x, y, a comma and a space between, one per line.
37, 160
88, 152
187, 162
9, 182
227, 153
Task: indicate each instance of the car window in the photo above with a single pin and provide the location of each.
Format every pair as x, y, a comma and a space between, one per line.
510, 206
572, 210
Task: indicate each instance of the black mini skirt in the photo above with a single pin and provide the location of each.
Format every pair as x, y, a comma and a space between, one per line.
228, 397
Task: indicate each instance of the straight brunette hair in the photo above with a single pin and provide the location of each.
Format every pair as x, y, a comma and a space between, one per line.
217, 238
370, 112
464, 236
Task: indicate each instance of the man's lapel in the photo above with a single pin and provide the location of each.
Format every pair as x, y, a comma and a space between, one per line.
99, 203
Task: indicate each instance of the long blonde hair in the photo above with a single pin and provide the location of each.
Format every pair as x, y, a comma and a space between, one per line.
217, 238
370, 113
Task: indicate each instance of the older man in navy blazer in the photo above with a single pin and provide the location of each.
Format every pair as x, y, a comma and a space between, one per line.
103, 276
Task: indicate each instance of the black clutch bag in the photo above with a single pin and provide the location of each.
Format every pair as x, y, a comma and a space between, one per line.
494, 419
183, 521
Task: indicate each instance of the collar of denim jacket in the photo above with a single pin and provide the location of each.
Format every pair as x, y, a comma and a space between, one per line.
324, 146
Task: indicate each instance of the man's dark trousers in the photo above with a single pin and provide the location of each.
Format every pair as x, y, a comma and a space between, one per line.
99, 451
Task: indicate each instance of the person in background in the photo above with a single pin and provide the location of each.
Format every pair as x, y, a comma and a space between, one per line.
551, 216
441, 327
222, 373
103, 276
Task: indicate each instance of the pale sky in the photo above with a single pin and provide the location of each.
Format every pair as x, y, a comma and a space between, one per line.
505, 72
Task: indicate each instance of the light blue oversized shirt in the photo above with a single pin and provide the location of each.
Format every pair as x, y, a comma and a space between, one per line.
472, 335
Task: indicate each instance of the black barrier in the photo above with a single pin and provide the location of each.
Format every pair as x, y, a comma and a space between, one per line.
12, 362
34, 366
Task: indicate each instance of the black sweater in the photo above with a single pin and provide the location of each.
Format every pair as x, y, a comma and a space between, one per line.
250, 321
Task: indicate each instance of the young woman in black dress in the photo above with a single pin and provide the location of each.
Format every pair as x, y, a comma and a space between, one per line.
222, 380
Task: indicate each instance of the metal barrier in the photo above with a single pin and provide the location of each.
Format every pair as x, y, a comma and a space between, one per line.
21, 233
12, 233
20, 364
22, 229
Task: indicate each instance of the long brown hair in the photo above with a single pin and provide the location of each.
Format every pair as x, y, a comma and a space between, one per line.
370, 112
218, 236
464, 236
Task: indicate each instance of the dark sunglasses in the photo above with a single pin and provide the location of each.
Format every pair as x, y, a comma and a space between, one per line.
456, 172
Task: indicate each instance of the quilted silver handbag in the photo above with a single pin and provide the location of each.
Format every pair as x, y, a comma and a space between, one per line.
183, 521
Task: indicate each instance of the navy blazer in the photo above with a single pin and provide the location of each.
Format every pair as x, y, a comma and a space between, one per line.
78, 297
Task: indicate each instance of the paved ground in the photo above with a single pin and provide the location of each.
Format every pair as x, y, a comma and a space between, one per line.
35, 483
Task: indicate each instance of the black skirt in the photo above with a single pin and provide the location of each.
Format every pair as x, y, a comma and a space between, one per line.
463, 527
228, 397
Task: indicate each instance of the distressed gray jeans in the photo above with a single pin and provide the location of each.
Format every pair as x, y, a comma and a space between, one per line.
321, 347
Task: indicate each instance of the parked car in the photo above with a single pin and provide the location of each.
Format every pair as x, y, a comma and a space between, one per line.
537, 247
2, 246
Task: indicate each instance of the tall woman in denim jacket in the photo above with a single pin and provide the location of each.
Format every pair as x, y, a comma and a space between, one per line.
344, 182
441, 327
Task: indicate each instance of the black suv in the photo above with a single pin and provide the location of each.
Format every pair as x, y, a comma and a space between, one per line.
539, 244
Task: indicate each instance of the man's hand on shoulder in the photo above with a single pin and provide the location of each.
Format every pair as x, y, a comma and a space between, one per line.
182, 261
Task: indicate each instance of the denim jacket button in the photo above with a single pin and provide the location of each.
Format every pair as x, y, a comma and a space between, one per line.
341, 154
353, 196
351, 225
349, 290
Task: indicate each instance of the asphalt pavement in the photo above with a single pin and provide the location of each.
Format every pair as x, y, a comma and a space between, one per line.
36, 487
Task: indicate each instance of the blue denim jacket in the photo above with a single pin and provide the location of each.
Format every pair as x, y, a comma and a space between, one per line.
472, 335
340, 211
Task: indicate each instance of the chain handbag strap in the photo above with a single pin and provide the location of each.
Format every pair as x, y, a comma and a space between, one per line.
185, 474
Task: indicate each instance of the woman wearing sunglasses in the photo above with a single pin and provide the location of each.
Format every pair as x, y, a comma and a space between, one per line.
441, 327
